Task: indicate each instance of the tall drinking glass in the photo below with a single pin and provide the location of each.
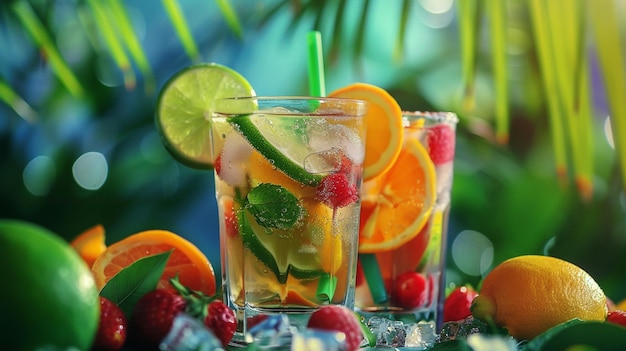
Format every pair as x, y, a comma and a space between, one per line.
287, 177
404, 222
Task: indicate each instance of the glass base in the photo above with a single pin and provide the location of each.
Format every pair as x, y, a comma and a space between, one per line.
398, 314
298, 319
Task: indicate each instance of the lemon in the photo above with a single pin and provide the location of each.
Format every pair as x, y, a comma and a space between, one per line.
183, 114
48, 293
530, 294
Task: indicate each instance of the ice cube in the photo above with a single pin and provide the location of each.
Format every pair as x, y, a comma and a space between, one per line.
461, 329
273, 332
421, 336
318, 340
325, 136
387, 332
188, 334
235, 154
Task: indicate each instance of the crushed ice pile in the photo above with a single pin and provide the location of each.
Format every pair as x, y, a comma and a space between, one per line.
275, 333
420, 336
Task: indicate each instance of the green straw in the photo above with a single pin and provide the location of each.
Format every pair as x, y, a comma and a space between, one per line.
370, 266
373, 278
326, 287
317, 85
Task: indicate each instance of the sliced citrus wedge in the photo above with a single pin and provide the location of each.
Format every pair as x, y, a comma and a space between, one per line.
278, 144
90, 244
383, 123
186, 261
183, 113
397, 205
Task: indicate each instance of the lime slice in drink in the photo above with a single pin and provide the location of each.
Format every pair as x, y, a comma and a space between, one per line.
279, 144
183, 114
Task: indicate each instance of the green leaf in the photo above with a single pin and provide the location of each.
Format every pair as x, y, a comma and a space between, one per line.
231, 17
10, 97
131, 42
273, 206
468, 31
595, 335
40, 35
452, 345
498, 25
134, 281
182, 29
398, 48
107, 28
606, 27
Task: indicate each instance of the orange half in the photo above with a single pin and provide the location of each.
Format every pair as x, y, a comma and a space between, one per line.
396, 206
383, 121
90, 244
192, 267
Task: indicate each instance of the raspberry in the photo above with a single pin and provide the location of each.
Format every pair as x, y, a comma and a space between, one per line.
336, 191
341, 319
441, 144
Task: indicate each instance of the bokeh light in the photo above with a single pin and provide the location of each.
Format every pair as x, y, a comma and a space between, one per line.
39, 174
472, 252
90, 170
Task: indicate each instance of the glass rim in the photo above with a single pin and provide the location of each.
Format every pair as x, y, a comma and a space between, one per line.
437, 116
290, 98
297, 105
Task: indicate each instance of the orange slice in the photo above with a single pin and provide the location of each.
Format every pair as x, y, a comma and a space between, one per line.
397, 205
90, 244
383, 123
192, 267
262, 171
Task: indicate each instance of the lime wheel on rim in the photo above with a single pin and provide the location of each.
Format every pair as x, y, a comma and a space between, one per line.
183, 113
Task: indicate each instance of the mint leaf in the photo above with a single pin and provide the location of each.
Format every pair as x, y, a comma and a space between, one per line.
273, 206
134, 281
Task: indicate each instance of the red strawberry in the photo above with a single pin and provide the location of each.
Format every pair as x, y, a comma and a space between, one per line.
341, 319
457, 304
111, 334
217, 164
154, 315
221, 320
441, 144
410, 290
336, 191
617, 317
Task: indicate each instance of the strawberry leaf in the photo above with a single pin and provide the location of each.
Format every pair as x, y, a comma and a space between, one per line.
134, 281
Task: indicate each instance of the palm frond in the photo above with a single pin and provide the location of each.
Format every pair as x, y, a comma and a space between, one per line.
41, 37
182, 30
605, 22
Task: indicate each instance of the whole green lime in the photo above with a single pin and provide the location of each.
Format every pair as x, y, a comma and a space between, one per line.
48, 296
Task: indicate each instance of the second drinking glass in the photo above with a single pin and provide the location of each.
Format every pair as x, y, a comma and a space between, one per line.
404, 220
